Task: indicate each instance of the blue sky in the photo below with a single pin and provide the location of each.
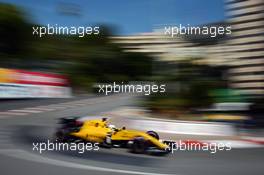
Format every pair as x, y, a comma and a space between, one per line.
128, 16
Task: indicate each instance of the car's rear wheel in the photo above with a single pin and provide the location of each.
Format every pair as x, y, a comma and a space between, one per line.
60, 136
153, 134
63, 136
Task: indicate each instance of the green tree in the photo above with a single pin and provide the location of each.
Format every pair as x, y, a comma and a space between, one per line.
15, 30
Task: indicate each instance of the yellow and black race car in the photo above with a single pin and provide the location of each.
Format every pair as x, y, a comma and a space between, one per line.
107, 135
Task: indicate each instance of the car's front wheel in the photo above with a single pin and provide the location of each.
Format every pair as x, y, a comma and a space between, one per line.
139, 145
153, 134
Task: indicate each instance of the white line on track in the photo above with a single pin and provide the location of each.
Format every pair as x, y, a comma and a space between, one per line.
80, 104
12, 113
21, 154
40, 109
24, 110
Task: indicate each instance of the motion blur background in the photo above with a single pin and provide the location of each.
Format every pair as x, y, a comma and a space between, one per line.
214, 85
203, 75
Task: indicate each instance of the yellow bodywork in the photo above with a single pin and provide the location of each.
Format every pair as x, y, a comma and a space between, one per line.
131, 134
93, 131
97, 131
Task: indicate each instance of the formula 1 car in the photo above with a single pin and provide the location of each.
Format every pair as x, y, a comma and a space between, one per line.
107, 135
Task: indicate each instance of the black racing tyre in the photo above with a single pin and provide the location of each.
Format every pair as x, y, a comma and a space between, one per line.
63, 136
153, 134
139, 145
59, 136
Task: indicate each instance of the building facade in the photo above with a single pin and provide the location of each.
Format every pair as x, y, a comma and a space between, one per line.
242, 51
245, 48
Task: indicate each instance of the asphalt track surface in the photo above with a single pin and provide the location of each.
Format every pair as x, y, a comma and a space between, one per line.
17, 157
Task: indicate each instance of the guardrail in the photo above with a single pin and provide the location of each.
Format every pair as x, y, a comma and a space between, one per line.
192, 128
